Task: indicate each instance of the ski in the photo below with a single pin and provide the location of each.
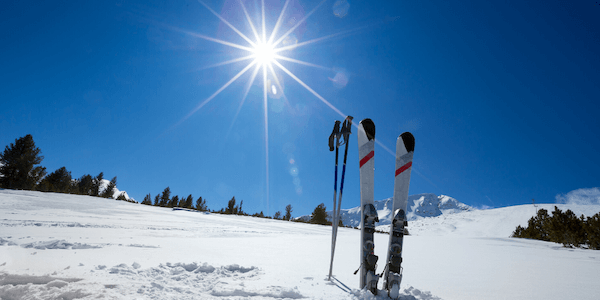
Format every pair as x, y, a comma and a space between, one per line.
368, 259
405, 147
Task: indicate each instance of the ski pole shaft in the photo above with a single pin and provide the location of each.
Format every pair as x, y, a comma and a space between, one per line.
333, 231
334, 141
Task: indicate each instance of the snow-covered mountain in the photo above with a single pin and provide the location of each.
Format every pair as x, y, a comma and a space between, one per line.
419, 206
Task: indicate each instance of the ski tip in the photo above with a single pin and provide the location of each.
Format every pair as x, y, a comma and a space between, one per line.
369, 128
409, 141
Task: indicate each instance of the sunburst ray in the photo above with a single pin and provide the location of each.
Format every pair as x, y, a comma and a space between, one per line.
298, 24
246, 91
231, 61
302, 62
228, 24
264, 30
342, 33
278, 23
208, 38
199, 106
279, 86
249, 20
266, 131
310, 89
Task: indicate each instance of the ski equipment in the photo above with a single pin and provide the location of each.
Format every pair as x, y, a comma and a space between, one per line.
405, 147
368, 259
334, 138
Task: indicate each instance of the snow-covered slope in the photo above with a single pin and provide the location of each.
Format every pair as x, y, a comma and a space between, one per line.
57, 246
419, 206
497, 222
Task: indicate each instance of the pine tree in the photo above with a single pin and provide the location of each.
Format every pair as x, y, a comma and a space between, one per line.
156, 200
538, 226
84, 185
288, 212
519, 232
147, 200
201, 204
277, 215
319, 215
189, 201
592, 229
18, 162
58, 181
566, 228
231, 208
122, 197
97, 184
109, 191
174, 201
563, 227
165, 197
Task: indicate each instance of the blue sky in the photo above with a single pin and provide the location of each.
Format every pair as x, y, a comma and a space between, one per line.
502, 97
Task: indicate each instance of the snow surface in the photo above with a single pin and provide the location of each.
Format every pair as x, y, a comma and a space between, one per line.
57, 246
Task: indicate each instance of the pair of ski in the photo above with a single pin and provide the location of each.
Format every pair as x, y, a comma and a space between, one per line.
392, 274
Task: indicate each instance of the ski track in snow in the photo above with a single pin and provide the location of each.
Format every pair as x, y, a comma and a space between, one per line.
167, 281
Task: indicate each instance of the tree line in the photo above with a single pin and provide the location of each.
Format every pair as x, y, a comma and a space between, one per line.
563, 228
20, 170
164, 199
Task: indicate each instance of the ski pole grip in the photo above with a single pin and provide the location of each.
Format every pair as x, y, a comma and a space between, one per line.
334, 134
347, 126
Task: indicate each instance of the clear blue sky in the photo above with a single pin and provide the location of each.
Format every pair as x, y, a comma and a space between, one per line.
502, 97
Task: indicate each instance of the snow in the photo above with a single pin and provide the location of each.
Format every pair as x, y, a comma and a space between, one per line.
57, 246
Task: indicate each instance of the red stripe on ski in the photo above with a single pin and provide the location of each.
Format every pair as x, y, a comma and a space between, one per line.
367, 157
404, 168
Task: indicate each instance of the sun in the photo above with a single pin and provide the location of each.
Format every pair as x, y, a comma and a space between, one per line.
264, 53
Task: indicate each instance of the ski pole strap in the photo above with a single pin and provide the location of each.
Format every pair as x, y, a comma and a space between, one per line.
346, 129
335, 134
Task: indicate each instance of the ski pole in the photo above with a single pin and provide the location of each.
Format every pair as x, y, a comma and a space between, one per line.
334, 140
345, 132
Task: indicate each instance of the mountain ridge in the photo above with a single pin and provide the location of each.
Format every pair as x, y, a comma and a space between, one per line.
420, 206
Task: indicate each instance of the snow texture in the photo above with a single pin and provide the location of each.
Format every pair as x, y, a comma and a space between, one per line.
57, 246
